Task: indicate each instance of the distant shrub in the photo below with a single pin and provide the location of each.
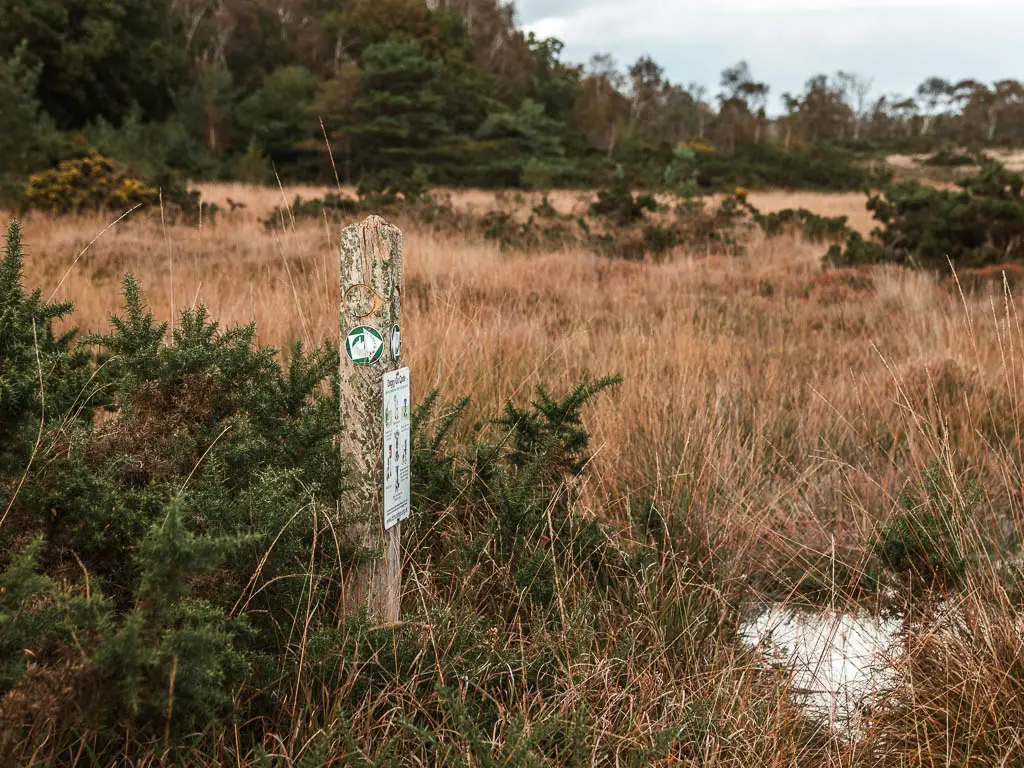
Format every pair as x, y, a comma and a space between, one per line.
620, 224
334, 206
815, 166
921, 226
617, 202
92, 182
537, 174
681, 176
387, 193
946, 158
812, 226
387, 188
253, 166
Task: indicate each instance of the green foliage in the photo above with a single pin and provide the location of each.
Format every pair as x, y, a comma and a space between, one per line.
41, 375
27, 136
94, 182
22, 623
526, 475
387, 188
524, 148
552, 429
168, 636
398, 119
617, 203
272, 117
100, 56
333, 206
946, 158
931, 537
681, 174
158, 151
162, 563
816, 166
557, 739
170, 554
253, 167
812, 226
925, 227
385, 193
554, 85
856, 251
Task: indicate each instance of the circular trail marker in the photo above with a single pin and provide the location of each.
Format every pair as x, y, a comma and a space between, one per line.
364, 345
396, 343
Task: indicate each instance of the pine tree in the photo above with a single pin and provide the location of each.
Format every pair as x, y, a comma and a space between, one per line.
397, 119
510, 141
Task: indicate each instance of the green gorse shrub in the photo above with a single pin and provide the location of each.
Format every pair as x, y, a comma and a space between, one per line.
921, 226
174, 558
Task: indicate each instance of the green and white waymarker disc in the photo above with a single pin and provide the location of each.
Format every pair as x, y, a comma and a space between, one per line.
364, 345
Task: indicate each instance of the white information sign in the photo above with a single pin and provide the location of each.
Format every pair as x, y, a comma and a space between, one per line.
397, 449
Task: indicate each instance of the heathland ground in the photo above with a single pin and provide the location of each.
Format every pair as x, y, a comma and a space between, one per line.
788, 403
808, 436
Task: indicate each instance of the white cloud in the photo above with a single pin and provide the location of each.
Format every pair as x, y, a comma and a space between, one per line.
786, 41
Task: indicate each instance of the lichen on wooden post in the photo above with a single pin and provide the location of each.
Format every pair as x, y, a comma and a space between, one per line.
371, 289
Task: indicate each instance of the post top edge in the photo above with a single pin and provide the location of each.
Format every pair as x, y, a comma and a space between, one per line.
373, 221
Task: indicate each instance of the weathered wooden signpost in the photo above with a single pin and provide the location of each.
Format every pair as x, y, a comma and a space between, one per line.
375, 407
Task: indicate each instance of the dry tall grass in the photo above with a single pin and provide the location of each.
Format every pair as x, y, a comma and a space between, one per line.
772, 397
782, 408
260, 201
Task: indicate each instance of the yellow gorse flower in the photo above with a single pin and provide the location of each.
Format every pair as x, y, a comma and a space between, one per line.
700, 146
91, 181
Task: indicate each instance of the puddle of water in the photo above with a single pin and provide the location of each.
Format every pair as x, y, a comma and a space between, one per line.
841, 663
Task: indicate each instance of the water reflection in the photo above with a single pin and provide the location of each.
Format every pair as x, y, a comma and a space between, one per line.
841, 663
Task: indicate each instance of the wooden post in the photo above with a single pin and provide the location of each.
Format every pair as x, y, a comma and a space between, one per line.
371, 289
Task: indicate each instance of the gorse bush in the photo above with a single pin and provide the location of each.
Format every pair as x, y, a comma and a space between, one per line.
812, 226
93, 182
946, 158
174, 559
41, 373
617, 202
620, 223
824, 167
208, 432
925, 227
930, 538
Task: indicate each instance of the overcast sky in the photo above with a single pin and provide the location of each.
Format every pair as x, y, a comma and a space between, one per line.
897, 43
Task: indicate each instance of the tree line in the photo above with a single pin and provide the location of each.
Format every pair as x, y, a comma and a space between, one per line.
452, 90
